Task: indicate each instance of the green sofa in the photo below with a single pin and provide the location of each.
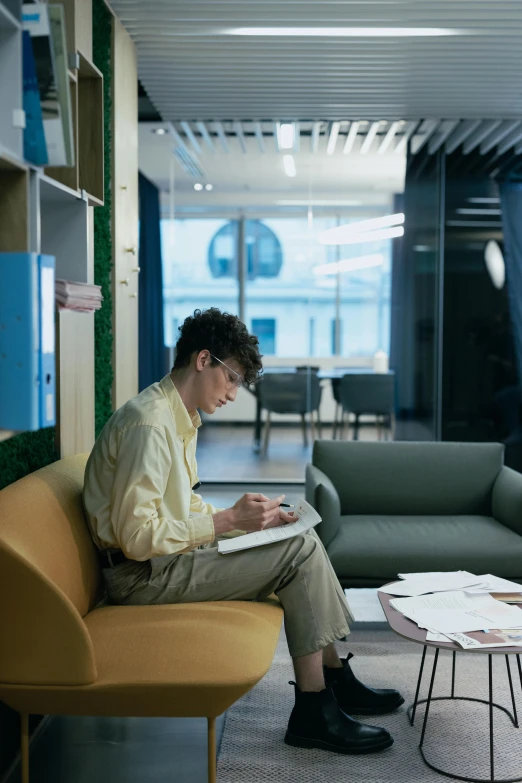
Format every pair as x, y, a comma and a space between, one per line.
390, 508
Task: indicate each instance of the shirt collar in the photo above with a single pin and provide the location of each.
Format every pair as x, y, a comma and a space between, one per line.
186, 421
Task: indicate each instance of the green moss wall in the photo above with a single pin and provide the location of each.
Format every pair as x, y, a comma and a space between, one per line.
101, 54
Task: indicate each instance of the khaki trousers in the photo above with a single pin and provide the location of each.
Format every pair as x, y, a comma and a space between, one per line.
298, 570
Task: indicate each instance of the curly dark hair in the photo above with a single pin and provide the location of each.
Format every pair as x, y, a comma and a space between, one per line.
221, 334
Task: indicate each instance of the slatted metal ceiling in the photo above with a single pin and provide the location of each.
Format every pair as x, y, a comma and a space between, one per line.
192, 71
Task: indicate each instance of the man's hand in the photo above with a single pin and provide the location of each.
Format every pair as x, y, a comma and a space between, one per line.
250, 513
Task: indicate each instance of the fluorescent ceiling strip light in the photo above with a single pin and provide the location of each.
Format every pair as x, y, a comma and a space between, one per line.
190, 136
369, 236
385, 143
350, 32
401, 146
368, 141
465, 211
332, 141
202, 128
361, 226
483, 200
238, 129
289, 165
318, 203
222, 135
314, 142
259, 135
286, 135
350, 139
349, 265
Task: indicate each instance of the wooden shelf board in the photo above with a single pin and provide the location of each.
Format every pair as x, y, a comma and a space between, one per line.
52, 190
11, 162
5, 434
87, 69
93, 201
7, 20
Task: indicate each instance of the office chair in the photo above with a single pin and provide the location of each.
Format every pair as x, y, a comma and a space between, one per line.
298, 392
368, 393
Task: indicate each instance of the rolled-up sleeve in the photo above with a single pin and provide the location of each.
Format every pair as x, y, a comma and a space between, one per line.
142, 470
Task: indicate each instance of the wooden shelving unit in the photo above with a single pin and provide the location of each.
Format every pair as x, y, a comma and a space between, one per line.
50, 210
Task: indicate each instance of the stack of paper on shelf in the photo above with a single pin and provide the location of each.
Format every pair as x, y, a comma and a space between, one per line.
460, 607
82, 297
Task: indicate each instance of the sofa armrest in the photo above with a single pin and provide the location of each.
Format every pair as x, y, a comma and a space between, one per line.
323, 496
507, 499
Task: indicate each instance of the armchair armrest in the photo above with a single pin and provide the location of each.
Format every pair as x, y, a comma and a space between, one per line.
507, 499
323, 496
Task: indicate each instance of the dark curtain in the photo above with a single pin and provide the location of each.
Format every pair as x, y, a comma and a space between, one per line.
151, 340
511, 206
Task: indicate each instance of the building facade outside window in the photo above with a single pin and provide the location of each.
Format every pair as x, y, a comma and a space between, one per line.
288, 301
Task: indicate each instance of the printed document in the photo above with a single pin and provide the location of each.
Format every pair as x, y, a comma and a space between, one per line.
307, 518
419, 584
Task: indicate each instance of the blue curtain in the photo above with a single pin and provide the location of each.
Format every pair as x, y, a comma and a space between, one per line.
511, 207
151, 340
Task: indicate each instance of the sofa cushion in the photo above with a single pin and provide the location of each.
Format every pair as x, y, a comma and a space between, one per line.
170, 660
380, 547
411, 478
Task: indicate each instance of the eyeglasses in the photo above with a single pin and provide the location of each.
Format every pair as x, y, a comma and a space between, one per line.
238, 380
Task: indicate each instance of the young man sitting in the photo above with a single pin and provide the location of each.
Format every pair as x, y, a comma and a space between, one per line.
158, 538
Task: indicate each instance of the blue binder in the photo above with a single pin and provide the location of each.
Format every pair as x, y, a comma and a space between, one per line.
47, 363
27, 341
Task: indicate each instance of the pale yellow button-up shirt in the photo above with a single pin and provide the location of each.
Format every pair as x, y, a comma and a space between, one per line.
138, 493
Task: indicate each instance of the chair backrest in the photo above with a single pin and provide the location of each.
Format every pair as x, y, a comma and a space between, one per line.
297, 392
49, 578
411, 478
367, 393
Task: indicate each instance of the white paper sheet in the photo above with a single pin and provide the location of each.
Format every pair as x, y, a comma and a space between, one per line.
494, 584
307, 518
430, 584
461, 621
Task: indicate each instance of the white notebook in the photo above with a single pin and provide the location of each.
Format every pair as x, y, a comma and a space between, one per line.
307, 518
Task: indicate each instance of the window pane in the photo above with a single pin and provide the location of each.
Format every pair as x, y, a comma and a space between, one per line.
199, 269
283, 289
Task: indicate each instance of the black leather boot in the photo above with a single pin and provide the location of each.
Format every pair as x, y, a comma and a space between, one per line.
355, 698
318, 722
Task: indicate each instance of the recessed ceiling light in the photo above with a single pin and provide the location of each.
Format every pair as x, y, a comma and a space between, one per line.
198, 186
159, 131
208, 186
286, 135
350, 32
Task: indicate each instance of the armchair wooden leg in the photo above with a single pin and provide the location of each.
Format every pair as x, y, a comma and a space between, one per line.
24, 747
335, 424
312, 427
319, 425
305, 428
266, 434
211, 750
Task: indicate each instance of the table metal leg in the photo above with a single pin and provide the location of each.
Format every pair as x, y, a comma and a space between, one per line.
429, 697
491, 750
453, 674
414, 708
489, 702
508, 665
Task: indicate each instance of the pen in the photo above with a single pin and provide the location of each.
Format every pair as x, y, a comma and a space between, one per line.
285, 505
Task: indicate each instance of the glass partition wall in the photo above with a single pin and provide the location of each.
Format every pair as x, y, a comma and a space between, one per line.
317, 309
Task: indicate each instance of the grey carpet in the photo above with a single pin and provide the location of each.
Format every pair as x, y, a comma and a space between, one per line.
457, 737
